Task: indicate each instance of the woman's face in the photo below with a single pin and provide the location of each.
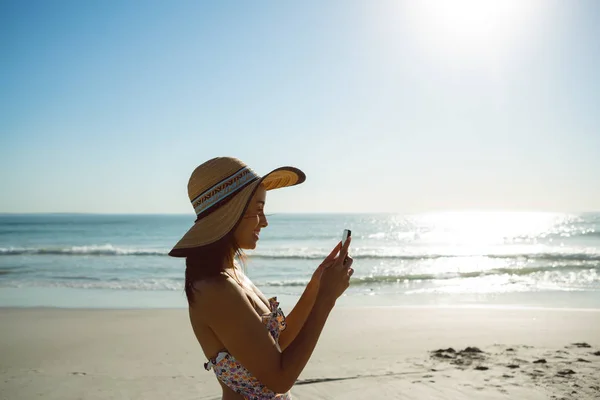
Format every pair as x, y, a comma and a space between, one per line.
248, 231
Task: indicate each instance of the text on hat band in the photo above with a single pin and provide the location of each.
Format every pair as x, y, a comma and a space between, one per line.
223, 189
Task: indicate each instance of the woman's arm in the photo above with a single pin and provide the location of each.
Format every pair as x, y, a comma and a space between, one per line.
296, 319
228, 312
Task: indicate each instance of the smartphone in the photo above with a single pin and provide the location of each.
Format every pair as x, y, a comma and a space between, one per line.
347, 233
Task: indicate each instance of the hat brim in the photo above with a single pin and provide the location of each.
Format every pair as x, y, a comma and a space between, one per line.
224, 219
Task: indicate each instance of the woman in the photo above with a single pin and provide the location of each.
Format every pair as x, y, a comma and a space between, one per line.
253, 349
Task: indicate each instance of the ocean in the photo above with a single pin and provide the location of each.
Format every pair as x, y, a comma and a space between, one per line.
521, 259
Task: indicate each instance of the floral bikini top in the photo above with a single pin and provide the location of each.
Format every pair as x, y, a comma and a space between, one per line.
233, 374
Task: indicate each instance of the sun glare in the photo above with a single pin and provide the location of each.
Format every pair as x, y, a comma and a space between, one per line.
472, 233
472, 27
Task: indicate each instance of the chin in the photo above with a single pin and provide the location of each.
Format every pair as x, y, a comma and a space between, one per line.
248, 246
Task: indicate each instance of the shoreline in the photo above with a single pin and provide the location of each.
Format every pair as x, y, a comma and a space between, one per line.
507, 307
77, 298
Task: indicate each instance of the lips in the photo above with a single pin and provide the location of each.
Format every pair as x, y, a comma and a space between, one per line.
256, 234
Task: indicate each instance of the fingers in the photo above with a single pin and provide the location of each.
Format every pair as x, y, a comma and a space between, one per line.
336, 249
344, 251
348, 261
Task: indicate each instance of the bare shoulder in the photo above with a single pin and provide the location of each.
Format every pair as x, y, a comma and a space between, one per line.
211, 286
224, 307
220, 294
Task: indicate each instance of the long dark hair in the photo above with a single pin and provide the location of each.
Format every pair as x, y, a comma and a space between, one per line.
209, 262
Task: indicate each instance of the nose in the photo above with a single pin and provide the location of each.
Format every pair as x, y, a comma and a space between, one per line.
263, 221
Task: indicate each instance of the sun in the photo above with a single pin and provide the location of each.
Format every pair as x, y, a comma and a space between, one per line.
472, 28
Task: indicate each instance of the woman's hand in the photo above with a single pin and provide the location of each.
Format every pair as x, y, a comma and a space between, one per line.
315, 280
335, 272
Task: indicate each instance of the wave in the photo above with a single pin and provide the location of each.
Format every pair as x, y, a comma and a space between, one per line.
571, 275
594, 273
550, 256
90, 283
303, 254
95, 250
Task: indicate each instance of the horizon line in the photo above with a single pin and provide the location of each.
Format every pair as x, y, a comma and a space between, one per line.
465, 210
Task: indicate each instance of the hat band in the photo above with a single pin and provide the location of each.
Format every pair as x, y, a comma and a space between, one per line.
219, 192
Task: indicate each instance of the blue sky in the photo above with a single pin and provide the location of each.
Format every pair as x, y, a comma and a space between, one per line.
388, 106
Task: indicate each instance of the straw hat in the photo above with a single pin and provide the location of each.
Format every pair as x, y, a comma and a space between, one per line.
220, 190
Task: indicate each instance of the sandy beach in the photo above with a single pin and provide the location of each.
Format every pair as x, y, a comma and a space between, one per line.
394, 352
